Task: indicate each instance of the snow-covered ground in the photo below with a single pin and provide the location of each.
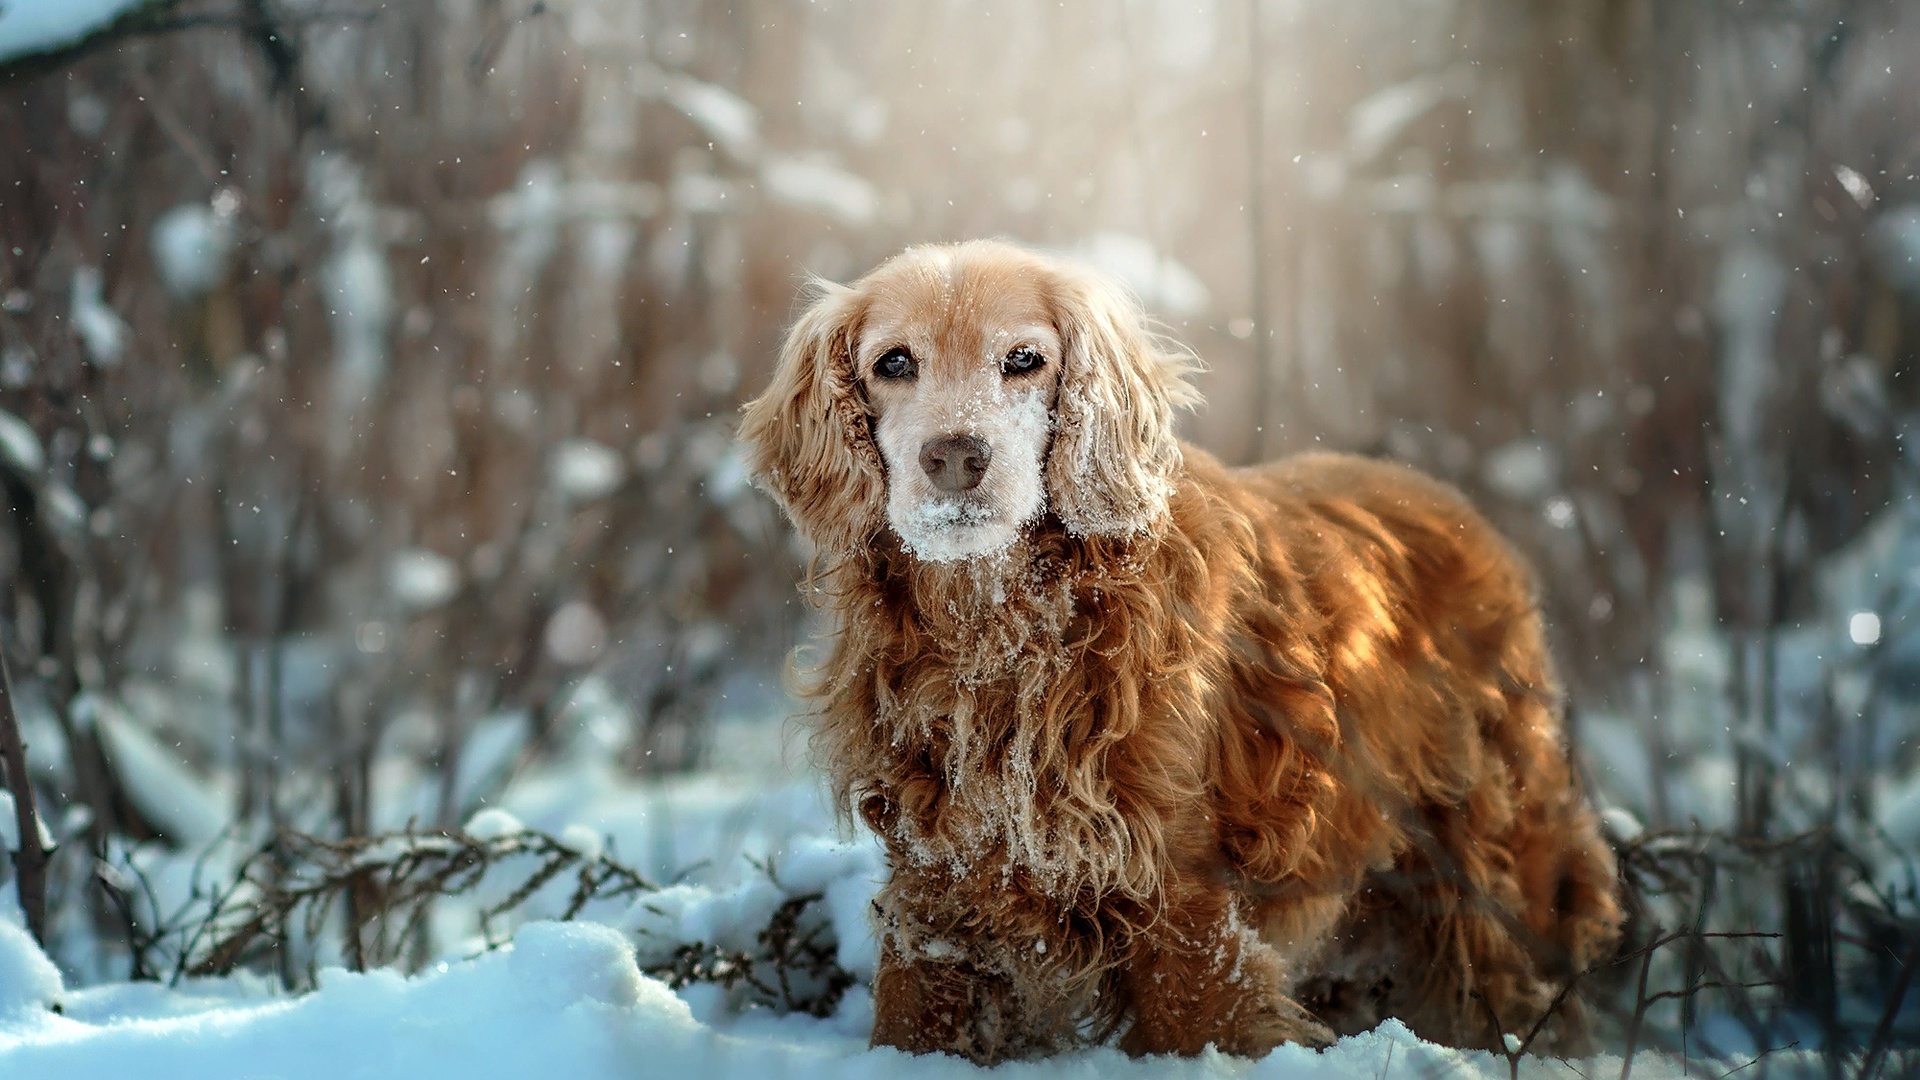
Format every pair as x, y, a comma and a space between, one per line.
567, 1000
570, 998
729, 845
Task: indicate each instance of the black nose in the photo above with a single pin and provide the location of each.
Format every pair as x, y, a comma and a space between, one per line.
957, 462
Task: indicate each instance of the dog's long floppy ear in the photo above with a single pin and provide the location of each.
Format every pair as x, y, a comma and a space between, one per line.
808, 440
1114, 449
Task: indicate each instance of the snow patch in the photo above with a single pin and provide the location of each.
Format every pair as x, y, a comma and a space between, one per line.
102, 332
585, 470
729, 918
847, 876
816, 185
1380, 118
193, 810
1158, 280
723, 115
576, 633
422, 580
28, 27
1525, 469
28, 980
66, 511
20, 445
1621, 825
558, 963
1857, 187
10, 829
192, 244
583, 840
492, 824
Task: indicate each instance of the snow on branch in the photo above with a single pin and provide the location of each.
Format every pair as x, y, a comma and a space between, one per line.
373, 901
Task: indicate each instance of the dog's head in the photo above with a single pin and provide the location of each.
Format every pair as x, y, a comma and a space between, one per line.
957, 394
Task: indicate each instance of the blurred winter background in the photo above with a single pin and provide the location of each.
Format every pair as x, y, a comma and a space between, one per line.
368, 375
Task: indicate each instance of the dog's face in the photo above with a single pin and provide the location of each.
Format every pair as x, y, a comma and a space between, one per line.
960, 374
961, 393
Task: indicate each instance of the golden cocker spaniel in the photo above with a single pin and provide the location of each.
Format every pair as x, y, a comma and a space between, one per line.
1161, 750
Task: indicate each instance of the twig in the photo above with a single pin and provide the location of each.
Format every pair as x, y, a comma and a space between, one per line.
1539, 1025
1757, 1058
1639, 1011
30, 862
1883, 1032
1508, 1051
295, 883
784, 949
139, 944
1689, 991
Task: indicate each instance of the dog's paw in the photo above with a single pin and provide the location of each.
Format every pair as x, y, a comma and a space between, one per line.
1281, 1022
1248, 1031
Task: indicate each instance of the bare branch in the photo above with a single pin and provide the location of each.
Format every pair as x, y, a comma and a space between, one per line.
30, 862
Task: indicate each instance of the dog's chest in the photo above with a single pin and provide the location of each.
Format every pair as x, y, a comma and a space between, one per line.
1005, 813
992, 767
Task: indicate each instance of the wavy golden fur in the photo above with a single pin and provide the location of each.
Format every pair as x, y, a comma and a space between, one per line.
1184, 755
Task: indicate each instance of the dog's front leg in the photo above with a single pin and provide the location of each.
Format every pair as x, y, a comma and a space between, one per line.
920, 1006
924, 1004
1200, 977
985, 975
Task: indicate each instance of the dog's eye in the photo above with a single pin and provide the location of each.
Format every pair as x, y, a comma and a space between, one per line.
1020, 361
895, 364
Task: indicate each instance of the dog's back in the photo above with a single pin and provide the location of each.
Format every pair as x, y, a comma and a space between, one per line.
1487, 868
